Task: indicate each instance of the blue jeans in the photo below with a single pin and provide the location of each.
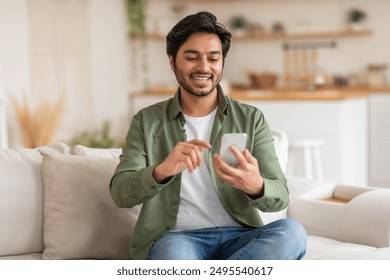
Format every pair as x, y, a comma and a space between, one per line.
280, 240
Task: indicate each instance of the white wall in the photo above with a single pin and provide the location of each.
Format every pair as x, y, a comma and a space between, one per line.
113, 77
14, 56
110, 63
14, 45
350, 57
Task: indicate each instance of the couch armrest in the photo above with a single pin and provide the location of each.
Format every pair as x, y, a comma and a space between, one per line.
300, 187
365, 219
314, 189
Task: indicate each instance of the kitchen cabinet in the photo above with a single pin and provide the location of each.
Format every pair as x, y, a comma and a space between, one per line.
341, 123
379, 141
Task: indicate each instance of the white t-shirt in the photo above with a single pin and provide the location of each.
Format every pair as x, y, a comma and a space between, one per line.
200, 206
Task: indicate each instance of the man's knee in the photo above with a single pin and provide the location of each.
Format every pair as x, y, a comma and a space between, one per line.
295, 234
290, 233
293, 228
170, 247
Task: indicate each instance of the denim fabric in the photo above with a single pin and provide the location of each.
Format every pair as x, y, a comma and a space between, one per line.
280, 240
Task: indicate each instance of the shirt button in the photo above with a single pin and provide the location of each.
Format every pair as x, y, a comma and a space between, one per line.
174, 203
168, 227
136, 197
153, 187
183, 130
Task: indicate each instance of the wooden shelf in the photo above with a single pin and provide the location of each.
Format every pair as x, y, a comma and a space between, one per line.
286, 37
212, 1
304, 35
203, 1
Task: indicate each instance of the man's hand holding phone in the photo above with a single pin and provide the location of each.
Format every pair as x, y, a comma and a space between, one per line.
244, 174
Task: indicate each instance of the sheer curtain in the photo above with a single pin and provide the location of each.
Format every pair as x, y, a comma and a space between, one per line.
3, 120
60, 59
3, 124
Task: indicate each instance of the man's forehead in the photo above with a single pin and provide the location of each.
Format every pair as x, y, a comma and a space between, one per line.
202, 42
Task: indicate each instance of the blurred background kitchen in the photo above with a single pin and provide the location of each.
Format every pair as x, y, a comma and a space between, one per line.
76, 70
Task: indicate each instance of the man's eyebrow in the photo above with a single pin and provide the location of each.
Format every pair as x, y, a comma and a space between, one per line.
196, 52
216, 52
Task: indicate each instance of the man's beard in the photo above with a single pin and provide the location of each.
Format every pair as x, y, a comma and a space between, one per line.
193, 90
197, 92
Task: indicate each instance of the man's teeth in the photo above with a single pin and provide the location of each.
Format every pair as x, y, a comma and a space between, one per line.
200, 79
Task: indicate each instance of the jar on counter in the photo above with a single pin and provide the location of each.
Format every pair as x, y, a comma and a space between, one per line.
376, 75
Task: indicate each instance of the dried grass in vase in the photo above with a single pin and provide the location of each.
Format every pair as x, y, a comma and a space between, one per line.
38, 126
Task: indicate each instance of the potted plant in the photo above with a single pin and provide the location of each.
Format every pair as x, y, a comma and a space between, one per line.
96, 139
239, 25
136, 11
355, 18
136, 14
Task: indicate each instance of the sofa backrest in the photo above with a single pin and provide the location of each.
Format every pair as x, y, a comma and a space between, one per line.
281, 147
21, 193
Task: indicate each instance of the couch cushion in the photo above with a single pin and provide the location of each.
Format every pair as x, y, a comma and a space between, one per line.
321, 248
31, 256
81, 150
80, 219
21, 199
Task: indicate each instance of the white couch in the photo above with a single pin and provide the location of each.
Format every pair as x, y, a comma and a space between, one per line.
55, 204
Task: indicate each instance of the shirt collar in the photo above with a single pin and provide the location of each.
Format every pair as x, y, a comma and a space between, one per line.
175, 109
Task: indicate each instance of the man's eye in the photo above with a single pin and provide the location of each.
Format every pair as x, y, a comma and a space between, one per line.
191, 58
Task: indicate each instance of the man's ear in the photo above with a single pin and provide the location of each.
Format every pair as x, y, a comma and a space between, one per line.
172, 63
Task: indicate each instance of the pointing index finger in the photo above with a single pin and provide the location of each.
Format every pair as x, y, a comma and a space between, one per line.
200, 143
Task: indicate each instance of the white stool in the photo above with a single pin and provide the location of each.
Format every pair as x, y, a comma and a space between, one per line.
307, 153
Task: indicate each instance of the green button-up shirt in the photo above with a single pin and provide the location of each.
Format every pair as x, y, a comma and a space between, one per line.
154, 132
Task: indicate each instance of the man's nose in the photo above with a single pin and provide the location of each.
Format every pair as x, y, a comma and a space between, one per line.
203, 65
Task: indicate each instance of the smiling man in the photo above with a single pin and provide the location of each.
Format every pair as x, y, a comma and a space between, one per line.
195, 205
198, 65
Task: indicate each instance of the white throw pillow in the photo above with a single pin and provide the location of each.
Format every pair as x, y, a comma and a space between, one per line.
81, 150
21, 200
80, 219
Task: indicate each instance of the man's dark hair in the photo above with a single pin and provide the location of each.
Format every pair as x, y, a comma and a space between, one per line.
199, 22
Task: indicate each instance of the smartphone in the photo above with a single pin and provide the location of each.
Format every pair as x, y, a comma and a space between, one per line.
228, 140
